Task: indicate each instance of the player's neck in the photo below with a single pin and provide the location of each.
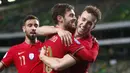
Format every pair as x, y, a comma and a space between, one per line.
60, 25
79, 36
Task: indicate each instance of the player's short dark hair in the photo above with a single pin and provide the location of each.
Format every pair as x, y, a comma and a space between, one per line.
60, 9
94, 11
29, 17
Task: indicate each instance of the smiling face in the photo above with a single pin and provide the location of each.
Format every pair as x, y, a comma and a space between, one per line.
86, 23
30, 28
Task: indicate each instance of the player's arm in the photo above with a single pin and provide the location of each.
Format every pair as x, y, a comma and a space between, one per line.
58, 63
8, 58
1, 66
88, 54
48, 30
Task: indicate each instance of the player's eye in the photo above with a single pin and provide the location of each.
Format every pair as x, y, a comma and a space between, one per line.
36, 25
89, 23
29, 25
71, 15
83, 19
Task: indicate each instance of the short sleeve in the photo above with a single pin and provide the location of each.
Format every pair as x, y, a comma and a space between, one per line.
75, 47
8, 57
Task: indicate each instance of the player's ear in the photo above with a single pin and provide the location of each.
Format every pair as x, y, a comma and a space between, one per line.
60, 18
23, 27
94, 27
95, 24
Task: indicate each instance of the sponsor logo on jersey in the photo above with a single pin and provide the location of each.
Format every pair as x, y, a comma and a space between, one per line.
76, 41
19, 53
31, 56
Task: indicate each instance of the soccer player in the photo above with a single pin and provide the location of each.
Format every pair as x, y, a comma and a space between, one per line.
26, 55
64, 16
82, 57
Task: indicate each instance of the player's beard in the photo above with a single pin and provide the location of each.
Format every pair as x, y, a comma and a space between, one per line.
31, 37
68, 26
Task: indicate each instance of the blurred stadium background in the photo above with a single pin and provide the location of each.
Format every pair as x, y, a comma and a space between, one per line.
113, 31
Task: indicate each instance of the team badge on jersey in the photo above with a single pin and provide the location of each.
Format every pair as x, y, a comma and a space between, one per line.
31, 56
76, 41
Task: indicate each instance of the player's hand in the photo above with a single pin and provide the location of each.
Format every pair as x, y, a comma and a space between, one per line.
42, 53
65, 36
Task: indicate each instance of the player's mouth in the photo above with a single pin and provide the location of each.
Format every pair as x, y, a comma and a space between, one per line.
73, 22
33, 32
82, 29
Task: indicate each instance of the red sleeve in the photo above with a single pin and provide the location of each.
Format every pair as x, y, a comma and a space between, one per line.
88, 54
8, 57
73, 48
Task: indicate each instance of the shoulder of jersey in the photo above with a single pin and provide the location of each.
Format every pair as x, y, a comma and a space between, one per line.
54, 38
17, 46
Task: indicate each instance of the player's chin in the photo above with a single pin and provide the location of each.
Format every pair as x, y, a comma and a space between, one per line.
80, 32
33, 35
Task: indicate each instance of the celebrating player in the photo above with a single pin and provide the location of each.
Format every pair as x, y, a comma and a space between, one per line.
81, 57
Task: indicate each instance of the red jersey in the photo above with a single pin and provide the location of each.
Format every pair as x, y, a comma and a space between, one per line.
56, 48
24, 56
86, 55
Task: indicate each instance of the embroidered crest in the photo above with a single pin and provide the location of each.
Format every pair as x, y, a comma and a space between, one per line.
31, 56
77, 41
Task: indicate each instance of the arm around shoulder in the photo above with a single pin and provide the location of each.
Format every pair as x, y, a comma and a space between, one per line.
46, 30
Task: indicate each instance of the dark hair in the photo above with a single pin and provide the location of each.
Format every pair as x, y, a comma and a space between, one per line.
60, 9
94, 11
29, 17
